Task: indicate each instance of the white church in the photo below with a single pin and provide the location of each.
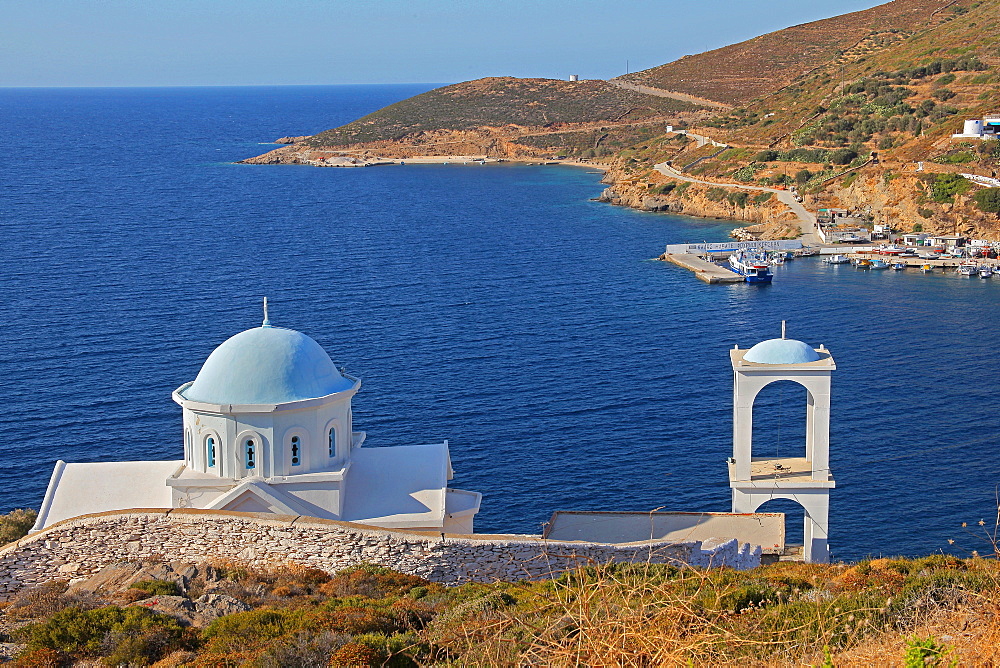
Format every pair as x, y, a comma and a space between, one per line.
268, 428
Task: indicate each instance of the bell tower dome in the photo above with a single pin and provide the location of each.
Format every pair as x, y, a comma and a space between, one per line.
805, 480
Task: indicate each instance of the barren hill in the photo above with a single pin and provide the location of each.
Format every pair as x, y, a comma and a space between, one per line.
737, 73
500, 101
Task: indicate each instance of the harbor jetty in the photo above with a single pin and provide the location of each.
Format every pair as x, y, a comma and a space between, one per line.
700, 258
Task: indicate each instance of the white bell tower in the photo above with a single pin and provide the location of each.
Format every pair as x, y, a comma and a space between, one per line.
804, 480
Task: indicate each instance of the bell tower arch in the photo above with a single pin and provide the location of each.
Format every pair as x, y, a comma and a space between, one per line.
807, 480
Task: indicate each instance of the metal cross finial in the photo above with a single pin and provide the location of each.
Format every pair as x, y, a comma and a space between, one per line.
267, 320
782, 322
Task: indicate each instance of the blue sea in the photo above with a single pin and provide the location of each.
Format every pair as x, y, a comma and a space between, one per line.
495, 306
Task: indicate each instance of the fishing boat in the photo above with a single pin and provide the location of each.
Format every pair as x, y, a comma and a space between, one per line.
996, 269
898, 266
837, 259
891, 249
927, 268
985, 272
879, 264
968, 269
776, 259
753, 267
863, 263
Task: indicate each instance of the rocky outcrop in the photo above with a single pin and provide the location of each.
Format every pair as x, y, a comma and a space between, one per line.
83, 546
198, 612
770, 219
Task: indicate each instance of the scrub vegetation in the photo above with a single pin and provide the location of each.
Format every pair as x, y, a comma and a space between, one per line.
502, 101
937, 609
16, 524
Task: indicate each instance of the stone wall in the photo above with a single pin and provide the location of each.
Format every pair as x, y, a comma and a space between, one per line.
81, 546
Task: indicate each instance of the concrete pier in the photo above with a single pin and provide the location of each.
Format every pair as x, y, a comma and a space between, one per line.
704, 270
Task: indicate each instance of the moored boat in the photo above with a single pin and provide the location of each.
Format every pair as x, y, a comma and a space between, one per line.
891, 249
985, 272
968, 269
837, 259
879, 264
899, 266
927, 268
753, 267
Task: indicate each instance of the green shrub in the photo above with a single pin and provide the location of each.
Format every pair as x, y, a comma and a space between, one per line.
716, 194
946, 186
955, 158
767, 155
125, 636
762, 198
988, 200
923, 652
157, 587
802, 176
738, 199
16, 524
665, 189
918, 227
842, 156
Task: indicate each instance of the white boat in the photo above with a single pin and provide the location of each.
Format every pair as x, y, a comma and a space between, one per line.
996, 269
892, 249
985, 272
968, 269
837, 259
752, 266
898, 266
879, 264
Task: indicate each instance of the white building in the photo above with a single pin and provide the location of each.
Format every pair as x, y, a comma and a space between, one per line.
986, 128
756, 479
268, 427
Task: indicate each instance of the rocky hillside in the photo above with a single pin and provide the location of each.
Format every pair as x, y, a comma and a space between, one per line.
737, 73
857, 110
489, 116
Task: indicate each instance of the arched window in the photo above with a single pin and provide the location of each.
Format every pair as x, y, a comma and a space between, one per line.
333, 442
296, 451
187, 444
250, 447
210, 451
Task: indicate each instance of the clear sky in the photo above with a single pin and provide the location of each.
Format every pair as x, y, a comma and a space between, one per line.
247, 42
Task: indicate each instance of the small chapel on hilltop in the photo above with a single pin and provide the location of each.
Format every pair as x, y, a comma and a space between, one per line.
268, 428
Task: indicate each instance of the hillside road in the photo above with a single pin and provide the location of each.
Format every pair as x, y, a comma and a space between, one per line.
807, 221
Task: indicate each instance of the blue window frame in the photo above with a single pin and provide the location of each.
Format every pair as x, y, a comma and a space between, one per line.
210, 451
296, 451
251, 452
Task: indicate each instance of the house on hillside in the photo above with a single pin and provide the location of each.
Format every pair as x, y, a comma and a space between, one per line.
987, 127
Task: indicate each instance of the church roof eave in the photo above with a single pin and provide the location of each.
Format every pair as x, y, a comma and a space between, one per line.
179, 398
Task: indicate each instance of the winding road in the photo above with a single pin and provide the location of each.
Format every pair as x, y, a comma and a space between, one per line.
807, 221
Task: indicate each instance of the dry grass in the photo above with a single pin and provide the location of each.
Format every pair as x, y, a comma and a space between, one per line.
780, 615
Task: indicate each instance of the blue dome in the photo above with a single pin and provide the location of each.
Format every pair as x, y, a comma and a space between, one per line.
781, 351
266, 365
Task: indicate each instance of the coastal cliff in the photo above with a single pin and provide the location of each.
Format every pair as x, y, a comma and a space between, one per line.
861, 117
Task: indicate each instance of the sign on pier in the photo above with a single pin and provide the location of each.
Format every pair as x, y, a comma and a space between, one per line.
732, 246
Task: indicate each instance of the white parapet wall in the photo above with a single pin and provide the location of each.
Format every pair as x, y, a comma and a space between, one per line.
81, 546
